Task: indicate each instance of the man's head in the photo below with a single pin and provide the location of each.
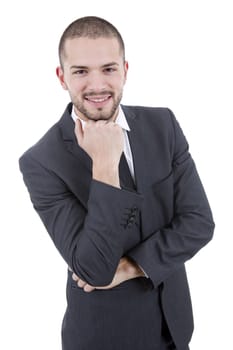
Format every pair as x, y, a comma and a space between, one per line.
92, 67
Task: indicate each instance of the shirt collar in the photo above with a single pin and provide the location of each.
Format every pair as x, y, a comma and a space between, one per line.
120, 119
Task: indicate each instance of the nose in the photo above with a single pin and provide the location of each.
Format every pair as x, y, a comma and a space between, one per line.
96, 82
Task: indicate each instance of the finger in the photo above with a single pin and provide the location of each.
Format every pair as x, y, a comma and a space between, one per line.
106, 287
87, 288
78, 130
75, 277
81, 283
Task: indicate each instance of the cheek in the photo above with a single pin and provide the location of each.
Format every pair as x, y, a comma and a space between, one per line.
75, 86
118, 83
121, 86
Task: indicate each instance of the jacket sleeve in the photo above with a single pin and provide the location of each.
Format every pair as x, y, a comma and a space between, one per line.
191, 226
91, 240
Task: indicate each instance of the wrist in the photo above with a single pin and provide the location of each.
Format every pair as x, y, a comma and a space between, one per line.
108, 174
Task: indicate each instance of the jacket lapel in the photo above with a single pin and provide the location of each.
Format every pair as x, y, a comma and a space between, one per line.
67, 128
76, 162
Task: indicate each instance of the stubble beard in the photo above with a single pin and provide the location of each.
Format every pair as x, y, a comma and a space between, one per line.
100, 114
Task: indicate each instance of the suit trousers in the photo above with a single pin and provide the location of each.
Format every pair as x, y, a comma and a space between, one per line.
126, 317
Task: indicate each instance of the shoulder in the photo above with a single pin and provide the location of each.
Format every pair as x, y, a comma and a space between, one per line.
161, 119
48, 147
157, 114
45, 142
44, 148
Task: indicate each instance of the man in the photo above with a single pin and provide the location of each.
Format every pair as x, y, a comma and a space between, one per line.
119, 194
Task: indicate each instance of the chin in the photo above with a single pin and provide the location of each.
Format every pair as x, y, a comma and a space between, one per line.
99, 115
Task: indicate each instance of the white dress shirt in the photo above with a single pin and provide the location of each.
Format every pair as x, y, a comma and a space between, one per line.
122, 122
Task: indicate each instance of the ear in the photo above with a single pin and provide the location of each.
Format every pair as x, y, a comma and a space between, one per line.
60, 75
126, 67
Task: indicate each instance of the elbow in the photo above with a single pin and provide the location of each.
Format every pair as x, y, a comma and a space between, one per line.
207, 230
96, 271
211, 228
100, 278
93, 278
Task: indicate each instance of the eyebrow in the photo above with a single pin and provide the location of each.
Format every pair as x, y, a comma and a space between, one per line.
110, 64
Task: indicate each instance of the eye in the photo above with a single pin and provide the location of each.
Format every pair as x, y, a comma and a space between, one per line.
79, 72
109, 70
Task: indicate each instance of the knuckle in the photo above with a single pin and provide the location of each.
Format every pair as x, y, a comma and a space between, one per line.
80, 283
75, 277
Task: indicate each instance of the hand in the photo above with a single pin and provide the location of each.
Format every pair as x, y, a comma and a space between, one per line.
82, 284
104, 142
127, 269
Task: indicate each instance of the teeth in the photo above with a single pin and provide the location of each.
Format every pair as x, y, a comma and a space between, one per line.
98, 99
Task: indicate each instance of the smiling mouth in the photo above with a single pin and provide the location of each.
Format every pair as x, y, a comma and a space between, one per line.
97, 99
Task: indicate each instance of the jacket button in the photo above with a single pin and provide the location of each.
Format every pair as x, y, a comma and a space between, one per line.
132, 219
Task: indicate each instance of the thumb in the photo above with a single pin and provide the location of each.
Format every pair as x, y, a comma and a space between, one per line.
78, 131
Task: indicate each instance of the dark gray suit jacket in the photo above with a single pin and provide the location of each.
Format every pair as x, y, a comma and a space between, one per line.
160, 225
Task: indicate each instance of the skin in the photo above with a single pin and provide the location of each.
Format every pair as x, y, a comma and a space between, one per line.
94, 74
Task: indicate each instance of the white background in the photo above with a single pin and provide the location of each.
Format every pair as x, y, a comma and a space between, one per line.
180, 56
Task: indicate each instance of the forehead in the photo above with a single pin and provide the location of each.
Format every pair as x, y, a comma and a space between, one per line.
86, 51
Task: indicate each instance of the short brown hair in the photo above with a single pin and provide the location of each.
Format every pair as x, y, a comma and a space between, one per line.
90, 27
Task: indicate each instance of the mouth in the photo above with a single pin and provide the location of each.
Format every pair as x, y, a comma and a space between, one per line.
98, 101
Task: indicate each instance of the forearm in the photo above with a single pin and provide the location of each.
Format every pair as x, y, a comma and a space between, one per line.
106, 234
